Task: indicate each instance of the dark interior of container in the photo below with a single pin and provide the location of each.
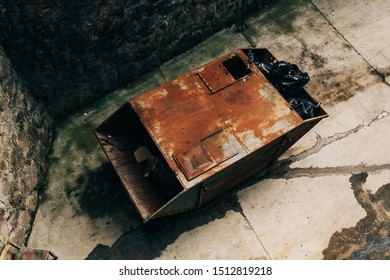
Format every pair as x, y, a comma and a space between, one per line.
120, 135
237, 67
264, 56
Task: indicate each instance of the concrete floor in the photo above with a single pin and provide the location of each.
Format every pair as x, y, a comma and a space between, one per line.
329, 195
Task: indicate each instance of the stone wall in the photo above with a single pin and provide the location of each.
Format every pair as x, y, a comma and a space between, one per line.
25, 133
71, 52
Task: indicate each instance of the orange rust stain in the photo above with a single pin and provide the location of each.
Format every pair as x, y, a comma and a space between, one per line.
238, 97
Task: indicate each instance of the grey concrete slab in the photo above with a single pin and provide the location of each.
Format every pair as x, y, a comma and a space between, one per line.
230, 237
84, 203
295, 219
218, 44
377, 179
365, 24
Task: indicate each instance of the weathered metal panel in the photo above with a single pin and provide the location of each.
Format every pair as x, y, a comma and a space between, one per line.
118, 145
253, 163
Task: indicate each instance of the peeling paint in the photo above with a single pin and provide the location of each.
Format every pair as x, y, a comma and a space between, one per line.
249, 139
162, 93
180, 83
281, 125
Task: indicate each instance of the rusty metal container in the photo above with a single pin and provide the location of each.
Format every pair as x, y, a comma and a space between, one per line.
208, 130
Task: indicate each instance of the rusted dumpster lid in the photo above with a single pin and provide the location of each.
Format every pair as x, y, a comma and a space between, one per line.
207, 119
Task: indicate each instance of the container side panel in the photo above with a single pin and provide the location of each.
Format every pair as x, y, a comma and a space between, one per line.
185, 201
119, 136
294, 135
240, 171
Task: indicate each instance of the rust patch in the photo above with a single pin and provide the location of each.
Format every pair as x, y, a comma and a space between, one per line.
318, 60
370, 238
238, 97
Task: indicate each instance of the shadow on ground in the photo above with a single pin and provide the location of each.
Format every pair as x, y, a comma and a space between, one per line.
98, 192
149, 240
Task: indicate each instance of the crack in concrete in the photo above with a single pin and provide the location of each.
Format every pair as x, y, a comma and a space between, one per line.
323, 142
248, 39
255, 233
162, 73
282, 168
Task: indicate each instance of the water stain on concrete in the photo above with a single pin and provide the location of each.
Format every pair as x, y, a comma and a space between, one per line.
333, 87
318, 60
370, 238
283, 16
98, 193
78, 134
328, 84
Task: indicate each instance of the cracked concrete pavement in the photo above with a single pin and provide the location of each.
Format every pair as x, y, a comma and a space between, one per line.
327, 197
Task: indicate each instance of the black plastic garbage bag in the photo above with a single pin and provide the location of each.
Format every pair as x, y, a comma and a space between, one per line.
305, 108
289, 80
286, 77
